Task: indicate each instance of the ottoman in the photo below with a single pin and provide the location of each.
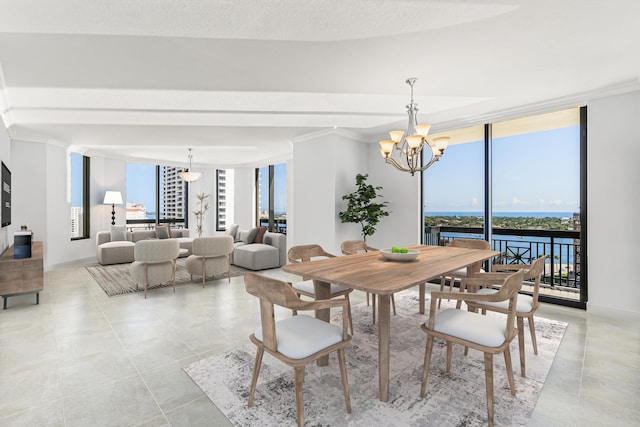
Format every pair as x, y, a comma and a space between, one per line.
256, 256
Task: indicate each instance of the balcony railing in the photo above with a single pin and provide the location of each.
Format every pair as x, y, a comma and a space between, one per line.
519, 246
150, 224
280, 225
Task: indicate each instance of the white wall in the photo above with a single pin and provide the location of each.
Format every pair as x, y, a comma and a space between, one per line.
402, 192
245, 196
613, 203
323, 170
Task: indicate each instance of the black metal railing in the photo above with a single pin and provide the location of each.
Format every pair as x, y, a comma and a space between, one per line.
279, 225
518, 246
150, 224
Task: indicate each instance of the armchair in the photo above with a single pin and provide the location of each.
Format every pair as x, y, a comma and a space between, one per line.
526, 304
155, 262
305, 253
490, 335
462, 273
352, 247
210, 256
298, 340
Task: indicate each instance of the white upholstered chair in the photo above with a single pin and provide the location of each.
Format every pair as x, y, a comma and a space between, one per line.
526, 306
491, 335
210, 256
298, 340
305, 253
155, 262
462, 272
353, 247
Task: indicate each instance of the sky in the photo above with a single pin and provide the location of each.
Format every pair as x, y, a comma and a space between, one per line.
279, 188
534, 172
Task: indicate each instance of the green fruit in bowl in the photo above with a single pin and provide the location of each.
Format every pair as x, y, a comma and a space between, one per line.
404, 250
395, 250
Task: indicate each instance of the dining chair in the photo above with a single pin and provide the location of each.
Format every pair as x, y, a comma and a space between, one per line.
491, 335
352, 247
462, 272
298, 340
306, 253
210, 256
155, 262
526, 306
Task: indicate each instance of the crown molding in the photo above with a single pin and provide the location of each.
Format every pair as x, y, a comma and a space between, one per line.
570, 101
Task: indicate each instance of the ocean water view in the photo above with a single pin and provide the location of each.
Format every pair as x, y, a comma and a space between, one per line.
506, 214
529, 247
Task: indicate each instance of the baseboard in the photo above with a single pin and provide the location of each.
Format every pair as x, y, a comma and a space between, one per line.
613, 313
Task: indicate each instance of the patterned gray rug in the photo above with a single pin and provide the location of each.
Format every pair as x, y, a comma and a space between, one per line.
115, 279
454, 399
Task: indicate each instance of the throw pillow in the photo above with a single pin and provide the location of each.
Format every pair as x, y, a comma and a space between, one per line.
248, 236
251, 236
163, 231
232, 231
260, 235
118, 233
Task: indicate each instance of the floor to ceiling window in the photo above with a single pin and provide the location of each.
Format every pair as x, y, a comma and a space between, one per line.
224, 198
453, 187
155, 194
531, 183
79, 179
271, 194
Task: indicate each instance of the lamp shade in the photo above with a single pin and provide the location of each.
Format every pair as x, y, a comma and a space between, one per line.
190, 176
112, 198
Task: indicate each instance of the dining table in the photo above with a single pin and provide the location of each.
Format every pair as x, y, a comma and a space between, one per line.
371, 272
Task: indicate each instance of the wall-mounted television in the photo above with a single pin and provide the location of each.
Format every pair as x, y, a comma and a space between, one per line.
6, 195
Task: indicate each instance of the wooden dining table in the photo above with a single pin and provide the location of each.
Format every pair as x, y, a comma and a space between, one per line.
371, 272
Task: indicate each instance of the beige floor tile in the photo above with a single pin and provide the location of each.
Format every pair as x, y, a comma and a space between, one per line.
118, 361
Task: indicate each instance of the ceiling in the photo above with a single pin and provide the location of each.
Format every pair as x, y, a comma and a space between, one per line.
238, 80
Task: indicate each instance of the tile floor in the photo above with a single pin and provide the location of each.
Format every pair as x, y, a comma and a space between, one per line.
83, 359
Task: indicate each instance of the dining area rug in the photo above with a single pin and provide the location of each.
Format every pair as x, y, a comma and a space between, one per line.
453, 399
115, 279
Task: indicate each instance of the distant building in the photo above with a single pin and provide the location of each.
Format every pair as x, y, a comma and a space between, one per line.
136, 211
173, 193
224, 198
76, 221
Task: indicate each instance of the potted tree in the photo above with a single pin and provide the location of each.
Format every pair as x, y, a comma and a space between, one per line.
362, 207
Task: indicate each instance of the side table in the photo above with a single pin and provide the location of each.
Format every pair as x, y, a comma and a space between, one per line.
23, 275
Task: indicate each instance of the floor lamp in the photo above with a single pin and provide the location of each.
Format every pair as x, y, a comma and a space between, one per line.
113, 198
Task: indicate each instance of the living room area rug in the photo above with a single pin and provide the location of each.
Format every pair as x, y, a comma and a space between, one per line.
453, 399
115, 279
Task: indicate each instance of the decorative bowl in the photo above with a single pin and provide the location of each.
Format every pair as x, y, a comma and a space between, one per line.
409, 256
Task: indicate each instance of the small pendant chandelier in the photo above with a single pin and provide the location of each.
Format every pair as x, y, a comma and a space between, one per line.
188, 175
409, 146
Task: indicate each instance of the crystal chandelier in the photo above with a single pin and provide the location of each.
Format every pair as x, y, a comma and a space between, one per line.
409, 146
188, 175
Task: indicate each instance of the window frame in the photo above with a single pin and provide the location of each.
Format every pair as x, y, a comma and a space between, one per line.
85, 231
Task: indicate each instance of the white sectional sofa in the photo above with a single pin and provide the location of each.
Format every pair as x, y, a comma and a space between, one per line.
268, 251
116, 247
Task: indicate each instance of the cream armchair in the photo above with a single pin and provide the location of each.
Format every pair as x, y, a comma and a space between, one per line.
155, 262
211, 256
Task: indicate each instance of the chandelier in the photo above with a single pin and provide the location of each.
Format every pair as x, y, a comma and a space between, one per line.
409, 146
188, 175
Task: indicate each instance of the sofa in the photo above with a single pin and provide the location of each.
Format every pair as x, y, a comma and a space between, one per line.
258, 249
117, 245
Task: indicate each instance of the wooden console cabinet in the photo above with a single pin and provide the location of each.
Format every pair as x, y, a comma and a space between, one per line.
21, 276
